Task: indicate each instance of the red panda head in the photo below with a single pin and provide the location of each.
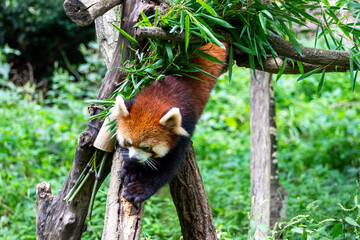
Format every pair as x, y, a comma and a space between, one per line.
147, 131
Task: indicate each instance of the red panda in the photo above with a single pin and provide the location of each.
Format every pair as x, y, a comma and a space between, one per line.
154, 128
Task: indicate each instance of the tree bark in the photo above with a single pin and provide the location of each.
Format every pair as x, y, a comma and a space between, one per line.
265, 200
56, 218
278, 194
190, 199
123, 220
84, 12
108, 36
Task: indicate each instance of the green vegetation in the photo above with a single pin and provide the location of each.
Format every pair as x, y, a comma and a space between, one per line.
318, 132
256, 23
318, 156
42, 33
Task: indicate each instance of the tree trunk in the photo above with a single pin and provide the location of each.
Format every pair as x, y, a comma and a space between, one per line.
123, 220
56, 218
190, 200
278, 194
265, 200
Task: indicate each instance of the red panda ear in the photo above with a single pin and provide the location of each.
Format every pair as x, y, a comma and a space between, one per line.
172, 120
120, 109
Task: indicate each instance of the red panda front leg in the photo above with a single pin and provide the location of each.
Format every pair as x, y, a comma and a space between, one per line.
141, 182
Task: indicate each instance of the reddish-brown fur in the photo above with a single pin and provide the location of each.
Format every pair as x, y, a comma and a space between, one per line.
186, 93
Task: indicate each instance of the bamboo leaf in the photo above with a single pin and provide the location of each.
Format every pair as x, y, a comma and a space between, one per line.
208, 56
267, 13
204, 72
252, 64
156, 17
301, 68
212, 38
291, 38
100, 102
278, 76
145, 20
187, 32
231, 62
217, 20
243, 48
321, 83
169, 52
181, 21
316, 70
125, 34
351, 70
262, 21
208, 8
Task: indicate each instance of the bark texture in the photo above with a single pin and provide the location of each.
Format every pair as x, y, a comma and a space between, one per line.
56, 218
107, 36
266, 201
123, 220
278, 194
190, 199
84, 12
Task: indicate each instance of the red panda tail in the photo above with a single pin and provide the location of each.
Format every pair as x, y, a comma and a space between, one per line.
214, 69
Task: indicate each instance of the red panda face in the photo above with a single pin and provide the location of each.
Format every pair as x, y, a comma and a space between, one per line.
147, 134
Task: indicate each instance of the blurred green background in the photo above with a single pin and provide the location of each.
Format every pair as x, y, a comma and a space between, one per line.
49, 66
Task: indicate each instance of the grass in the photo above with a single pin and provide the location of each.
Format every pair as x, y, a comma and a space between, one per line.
318, 156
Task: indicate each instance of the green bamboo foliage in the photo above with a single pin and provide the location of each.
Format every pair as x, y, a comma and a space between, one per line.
250, 24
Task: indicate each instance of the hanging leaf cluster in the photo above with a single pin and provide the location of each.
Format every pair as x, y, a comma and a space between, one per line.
248, 25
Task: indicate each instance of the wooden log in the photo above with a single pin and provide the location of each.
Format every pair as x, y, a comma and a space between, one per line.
266, 193
123, 220
107, 35
190, 199
84, 12
105, 140
260, 156
278, 194
56, 218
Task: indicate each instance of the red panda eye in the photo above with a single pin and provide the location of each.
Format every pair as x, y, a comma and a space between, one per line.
127, 143
147, 148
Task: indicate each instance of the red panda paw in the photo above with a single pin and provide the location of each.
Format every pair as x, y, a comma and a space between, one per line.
129, 174
137, 192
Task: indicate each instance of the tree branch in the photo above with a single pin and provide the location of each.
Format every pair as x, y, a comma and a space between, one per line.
273, 65
84, 12
311, 55
312, 58
190, 199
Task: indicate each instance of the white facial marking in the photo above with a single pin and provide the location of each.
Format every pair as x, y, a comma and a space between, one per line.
143, 144
120, 138
160, 150
139, 154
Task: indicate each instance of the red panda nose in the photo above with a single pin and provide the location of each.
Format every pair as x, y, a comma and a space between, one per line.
135, 159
